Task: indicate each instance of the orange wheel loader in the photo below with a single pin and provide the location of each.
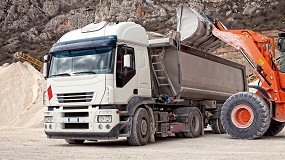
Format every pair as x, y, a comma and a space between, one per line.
251, 115
247, 115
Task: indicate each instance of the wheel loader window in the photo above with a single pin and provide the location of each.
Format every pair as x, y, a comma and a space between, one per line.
281, 62
282, 44
124, 74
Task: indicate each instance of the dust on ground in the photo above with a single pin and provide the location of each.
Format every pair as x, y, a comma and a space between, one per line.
29, 143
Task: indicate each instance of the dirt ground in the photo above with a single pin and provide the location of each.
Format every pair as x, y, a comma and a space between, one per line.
30, 143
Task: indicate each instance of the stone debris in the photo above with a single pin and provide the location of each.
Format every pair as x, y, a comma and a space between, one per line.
41, 23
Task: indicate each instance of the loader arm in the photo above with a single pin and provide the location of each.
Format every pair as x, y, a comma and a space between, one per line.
259, 51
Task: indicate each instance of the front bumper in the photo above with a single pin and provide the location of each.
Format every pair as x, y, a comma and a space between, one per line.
82, 124
113, 134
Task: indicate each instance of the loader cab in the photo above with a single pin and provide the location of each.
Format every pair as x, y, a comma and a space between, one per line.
281, 48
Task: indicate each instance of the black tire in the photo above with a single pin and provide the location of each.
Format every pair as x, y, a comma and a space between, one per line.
195, 122
217, 126
254, 106
274, 128
74, 141
179, 135
140, 130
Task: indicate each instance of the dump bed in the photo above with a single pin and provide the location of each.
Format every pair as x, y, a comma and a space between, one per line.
194, 74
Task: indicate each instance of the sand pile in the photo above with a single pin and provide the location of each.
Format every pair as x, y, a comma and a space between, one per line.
21, 96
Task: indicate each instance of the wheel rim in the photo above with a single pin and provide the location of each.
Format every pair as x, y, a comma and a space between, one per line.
143, 127
242, 116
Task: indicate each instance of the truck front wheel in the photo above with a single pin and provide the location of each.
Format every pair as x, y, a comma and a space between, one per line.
245, 115
140, 130
74, 141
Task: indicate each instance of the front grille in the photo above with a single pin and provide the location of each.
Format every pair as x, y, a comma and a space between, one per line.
78, 107
75, 97
76, 126
76, 114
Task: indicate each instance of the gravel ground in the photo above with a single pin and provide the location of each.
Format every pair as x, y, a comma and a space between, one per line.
30, 143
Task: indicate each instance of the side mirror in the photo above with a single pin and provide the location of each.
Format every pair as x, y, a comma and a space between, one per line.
45, 66
45, 70
281, 44
127, 60
46, 58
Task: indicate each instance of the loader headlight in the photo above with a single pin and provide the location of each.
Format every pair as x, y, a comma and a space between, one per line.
104, 119
48, 119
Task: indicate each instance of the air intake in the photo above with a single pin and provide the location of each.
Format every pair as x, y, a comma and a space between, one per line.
75, 97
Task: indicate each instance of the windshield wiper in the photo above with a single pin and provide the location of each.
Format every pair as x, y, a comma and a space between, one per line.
85, 72
62, 74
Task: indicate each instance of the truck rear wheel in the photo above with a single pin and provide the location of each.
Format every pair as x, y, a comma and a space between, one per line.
274, 128
74, 141
245, 116
217, 127
140, 128
179, 135
195, 122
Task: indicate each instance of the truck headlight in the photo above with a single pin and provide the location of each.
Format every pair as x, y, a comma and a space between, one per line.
104, 119
48, 119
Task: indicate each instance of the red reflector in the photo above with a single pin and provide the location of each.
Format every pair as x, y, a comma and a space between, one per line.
49, 93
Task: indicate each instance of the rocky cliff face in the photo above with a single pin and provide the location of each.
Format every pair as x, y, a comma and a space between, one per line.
33, 26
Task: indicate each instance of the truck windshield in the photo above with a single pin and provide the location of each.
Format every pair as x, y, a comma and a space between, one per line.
86, 61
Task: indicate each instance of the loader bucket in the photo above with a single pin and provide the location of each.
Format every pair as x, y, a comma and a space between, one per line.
195, 30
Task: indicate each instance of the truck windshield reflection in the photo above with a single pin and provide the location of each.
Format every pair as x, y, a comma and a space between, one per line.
86, 61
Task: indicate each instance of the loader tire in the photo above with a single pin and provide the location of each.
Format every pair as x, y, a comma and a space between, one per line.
274, 128
140, 130
74, 141
245, 115
195, 122
217, 126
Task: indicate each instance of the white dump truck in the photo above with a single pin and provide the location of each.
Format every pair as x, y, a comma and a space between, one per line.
108, 80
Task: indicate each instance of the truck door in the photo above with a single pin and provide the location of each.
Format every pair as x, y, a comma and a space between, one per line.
126, 77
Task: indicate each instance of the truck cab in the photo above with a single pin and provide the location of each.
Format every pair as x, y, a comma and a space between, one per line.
88, 71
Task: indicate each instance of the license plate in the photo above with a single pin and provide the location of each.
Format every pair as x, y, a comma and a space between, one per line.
73, 120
